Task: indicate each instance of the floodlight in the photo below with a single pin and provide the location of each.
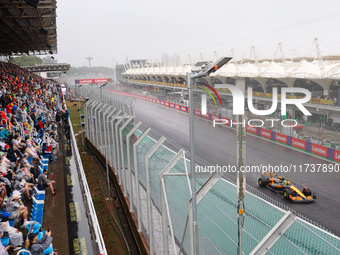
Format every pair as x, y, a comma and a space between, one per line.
213, 67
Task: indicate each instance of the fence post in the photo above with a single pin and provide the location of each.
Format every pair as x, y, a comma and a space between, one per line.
103, 137
114, 159
129, 179
148, 189
164, 203
121, 118
135, 161
95, 120
122, 153
97, 127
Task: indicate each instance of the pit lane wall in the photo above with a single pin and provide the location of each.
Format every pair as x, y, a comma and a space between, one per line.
297, 143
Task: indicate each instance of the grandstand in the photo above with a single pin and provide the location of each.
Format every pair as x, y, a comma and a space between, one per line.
29, 136
36, 200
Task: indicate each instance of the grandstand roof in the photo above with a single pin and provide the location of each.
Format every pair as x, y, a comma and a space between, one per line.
302, 69
27, 29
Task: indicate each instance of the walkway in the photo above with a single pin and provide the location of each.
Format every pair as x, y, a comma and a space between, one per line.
65, 213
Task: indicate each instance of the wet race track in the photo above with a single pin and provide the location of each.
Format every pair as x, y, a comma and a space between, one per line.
217, 145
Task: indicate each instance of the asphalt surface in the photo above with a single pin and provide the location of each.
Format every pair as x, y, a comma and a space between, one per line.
217, 145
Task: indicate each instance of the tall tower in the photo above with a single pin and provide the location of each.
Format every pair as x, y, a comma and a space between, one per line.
89, 59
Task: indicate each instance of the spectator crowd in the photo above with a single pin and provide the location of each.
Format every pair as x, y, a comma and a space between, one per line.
31, 111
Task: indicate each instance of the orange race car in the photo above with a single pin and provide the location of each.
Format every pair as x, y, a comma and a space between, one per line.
280, 185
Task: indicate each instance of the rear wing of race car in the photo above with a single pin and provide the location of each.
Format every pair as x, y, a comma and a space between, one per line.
269, 174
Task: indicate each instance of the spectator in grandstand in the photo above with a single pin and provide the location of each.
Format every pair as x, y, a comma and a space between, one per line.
11, 154
31, 152
2, 146
58, 118
9, 108
33, 117
28, 175
3, 250
30, 122
15, 236
3, 133
47, 151
44, 182
17, 209
18, 147
66, 115
42, 116
26, 188
67, 131
3, 191
4, 120
21, 114
41, 128
17, 144
6, 175
13, 122
35, 227
37, 247
14, 109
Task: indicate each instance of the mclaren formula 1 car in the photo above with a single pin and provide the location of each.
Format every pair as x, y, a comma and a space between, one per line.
280, 185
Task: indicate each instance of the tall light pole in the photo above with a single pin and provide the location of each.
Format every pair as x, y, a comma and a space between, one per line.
106, 144
240, 160
101, 91
241, 175
198, 72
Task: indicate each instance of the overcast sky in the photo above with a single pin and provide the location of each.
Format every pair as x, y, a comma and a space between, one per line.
112, 31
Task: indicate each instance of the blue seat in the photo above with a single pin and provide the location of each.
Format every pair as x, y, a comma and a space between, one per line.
5, 241
39, 193
11, 222
44, 159
37, 219
43, 166
38, 204
36, 213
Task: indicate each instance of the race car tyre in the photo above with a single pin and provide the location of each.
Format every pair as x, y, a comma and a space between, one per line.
306, 191
262, 182
286, 194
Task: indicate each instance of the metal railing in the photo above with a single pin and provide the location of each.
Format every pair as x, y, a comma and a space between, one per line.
92, 217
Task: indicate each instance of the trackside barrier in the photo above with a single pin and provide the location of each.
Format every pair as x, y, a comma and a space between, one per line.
313, 148
92, 219
158, 193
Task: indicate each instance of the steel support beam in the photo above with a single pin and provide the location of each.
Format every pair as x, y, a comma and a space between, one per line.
129, 177
148, 190
274, 234
164, 203
117, 146
122, 154
114, 159
135, 161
